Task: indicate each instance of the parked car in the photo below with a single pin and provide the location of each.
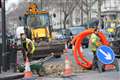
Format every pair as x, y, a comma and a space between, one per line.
115, 43
109, 37
71, 32
65, 33
59, 36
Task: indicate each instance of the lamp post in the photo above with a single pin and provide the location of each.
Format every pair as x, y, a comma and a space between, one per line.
3, 35
0, 44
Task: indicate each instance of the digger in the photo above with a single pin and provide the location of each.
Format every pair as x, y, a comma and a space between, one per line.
37, 27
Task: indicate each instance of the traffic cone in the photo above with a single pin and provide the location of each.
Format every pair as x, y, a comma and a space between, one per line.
17, 63
66, 47
68, 69
27, 73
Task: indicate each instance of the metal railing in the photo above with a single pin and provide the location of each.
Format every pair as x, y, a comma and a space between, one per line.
8, 59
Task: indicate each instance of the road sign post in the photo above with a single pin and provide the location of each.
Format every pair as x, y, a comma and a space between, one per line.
105, 54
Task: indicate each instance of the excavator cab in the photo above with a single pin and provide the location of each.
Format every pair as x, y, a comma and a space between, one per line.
37, 23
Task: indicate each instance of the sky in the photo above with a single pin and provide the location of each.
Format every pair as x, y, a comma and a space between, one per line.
9, 3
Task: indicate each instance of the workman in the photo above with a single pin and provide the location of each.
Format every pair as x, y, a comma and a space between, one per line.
28, 46
94, 43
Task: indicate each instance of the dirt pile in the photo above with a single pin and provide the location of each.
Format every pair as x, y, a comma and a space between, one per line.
57, 69
54, 69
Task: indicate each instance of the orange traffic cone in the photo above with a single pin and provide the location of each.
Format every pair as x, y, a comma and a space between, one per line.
66, 47
68, 69
27, 73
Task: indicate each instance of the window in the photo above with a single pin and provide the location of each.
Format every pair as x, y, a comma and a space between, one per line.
37, 21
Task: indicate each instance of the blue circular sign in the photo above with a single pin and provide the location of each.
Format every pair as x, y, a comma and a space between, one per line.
105, 54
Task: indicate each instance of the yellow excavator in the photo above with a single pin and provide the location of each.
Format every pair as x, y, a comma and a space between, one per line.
37, 26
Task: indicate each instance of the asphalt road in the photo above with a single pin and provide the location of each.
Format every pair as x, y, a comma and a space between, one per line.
89, 75
92, 75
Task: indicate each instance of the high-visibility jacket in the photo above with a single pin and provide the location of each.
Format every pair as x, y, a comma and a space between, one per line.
93, 42
110, 30
33, 46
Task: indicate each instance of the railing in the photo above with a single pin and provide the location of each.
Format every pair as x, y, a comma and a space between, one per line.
8, 59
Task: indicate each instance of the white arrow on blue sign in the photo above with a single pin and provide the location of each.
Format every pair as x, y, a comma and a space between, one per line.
105, 54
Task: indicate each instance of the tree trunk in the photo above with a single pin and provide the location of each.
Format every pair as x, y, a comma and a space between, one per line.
71, 20
64, 22
81, 6
99, 13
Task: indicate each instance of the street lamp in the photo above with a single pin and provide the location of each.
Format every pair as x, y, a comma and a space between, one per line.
3, 35
0, 47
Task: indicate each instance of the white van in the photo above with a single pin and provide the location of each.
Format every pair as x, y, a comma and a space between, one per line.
19, 30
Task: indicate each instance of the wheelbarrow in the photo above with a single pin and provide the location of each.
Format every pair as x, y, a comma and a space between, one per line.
36, 66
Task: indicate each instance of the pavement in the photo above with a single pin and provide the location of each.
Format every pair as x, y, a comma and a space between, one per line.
10, 75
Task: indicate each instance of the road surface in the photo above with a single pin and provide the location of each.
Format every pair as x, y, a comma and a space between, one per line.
88, 75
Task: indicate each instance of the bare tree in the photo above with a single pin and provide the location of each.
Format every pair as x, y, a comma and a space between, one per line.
67, 7
85, 8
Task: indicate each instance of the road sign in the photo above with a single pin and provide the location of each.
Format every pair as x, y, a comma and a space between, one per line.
105, 54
